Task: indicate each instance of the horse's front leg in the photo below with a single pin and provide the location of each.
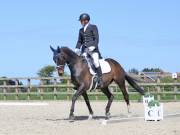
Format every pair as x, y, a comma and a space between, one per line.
88, 105
74, 98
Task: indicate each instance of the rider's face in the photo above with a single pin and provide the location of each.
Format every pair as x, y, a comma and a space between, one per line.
84, 22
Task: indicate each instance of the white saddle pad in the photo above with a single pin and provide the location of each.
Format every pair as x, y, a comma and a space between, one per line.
105, 67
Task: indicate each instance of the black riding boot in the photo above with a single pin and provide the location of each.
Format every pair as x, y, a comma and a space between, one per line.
99, 73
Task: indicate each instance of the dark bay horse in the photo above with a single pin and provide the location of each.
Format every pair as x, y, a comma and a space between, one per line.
81, 78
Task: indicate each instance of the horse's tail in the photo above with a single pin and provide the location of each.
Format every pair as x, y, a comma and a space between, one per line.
134, 84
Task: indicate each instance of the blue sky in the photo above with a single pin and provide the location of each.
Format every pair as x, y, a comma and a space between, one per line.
136, 33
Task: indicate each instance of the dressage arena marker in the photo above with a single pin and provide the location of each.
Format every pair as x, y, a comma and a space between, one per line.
111, 121
23, 104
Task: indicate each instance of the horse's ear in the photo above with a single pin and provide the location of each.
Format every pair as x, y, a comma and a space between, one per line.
58, 49
52, 48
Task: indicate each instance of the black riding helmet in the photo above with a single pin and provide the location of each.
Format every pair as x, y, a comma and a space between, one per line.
84, 16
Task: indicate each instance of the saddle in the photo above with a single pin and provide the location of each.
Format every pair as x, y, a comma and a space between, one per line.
105, 67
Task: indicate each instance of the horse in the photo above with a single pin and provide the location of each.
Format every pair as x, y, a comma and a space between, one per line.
81, 78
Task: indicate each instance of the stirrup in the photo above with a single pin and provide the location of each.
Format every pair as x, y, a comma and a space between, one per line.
100, 82
96, 78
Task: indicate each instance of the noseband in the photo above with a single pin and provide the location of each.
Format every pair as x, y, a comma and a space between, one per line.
60, 66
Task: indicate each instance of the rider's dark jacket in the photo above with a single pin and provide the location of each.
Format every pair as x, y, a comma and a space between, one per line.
88, 38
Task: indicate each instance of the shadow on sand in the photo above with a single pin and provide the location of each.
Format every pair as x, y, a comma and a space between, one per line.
81, 118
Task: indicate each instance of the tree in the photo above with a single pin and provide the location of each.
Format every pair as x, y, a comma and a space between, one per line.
152, 70
46, 71
1, 81
133, 70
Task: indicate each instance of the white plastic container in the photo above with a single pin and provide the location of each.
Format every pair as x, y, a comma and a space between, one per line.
154, 113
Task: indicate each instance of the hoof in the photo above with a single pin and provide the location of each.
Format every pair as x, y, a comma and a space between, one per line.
129, 112
108, 115
104, 122
90, 117
129, 115
71, 117
129, 109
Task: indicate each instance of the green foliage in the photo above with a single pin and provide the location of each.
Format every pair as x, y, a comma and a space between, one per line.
46, 71
64, 80
153, 103
167, 79
152, 70
148, 95
178, 80
133, 70
1, 81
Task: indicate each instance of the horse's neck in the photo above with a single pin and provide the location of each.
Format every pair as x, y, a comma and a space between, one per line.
71, 60
74, 62
76, 66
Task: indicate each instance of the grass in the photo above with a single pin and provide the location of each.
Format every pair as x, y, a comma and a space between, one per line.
167, 97
51, 96
178, 97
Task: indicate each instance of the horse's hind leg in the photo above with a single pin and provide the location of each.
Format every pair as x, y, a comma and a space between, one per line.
125, 93
85, 96
110, 99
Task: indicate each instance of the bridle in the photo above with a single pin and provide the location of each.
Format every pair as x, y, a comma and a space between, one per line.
60, 66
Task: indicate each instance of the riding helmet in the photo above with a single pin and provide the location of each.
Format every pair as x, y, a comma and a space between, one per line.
84, 16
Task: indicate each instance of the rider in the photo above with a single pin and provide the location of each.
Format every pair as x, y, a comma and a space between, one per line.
88, 42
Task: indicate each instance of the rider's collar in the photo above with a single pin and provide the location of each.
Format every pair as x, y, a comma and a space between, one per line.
85, 27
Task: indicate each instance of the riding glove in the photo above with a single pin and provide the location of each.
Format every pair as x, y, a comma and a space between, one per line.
91, 48
77, 51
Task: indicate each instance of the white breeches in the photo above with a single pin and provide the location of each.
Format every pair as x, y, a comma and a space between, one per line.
95, 57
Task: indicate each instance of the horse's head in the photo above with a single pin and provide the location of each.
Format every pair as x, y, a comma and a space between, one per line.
59, 59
